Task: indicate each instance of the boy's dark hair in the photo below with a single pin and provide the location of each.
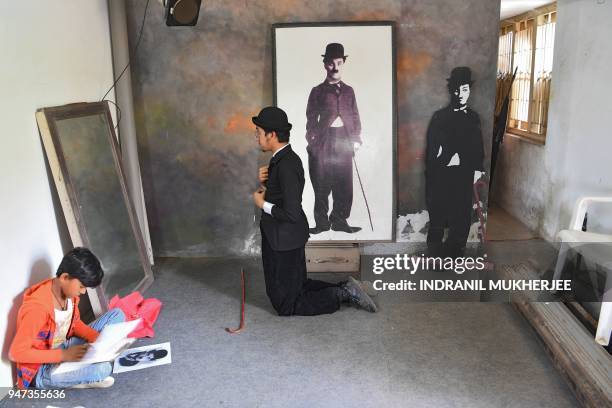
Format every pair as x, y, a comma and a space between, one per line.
282, 135
80, 263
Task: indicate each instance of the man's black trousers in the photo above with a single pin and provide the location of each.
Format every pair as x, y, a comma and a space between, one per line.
288, 288
330, 165
450, 205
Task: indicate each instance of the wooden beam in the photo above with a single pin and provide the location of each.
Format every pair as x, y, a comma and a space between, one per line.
585, 365
548, 8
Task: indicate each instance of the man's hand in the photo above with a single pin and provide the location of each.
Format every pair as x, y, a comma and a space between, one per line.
258, 197
356, 146
74, 353
263, 174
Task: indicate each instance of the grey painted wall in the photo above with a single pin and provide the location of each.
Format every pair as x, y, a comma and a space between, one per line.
541, 184
195, 90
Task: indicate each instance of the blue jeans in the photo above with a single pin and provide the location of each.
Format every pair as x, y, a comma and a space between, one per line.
91, 373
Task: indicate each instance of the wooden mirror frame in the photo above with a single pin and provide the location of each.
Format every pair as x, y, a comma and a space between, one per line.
46, 119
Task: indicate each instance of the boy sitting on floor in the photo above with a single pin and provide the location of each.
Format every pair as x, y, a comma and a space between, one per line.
50, 330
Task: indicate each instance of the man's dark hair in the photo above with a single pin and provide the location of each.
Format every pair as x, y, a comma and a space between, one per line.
327, 60
454, 86
282, 135
159, 353
80, 263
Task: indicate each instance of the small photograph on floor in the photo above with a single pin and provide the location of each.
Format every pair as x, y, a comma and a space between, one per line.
143, 357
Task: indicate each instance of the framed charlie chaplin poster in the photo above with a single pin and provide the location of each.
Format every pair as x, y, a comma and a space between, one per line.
336, 81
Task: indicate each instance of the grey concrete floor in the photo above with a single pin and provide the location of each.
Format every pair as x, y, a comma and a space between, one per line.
452, 354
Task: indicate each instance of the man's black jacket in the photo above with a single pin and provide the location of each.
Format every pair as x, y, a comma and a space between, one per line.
451, 133
325, 103
287, 227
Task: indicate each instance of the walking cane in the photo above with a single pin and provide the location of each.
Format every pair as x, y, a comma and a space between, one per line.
363, 192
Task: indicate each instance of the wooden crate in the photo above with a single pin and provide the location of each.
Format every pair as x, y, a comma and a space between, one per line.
339, 258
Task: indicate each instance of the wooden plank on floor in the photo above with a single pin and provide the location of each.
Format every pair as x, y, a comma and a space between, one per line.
585, 365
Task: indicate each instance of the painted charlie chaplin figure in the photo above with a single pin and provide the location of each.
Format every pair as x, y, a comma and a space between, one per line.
284, 229
333, 131
454, 159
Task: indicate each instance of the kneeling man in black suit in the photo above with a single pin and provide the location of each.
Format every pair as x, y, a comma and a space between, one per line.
284, 230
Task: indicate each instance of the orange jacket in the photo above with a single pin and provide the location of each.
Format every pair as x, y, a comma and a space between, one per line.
31, 346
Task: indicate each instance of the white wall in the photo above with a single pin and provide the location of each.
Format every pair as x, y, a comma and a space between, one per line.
540, 184
53, 52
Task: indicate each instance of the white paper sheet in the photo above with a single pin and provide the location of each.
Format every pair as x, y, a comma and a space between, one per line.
111, 341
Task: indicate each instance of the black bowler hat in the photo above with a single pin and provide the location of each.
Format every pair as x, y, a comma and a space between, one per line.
460, 76
272, 118
333, 51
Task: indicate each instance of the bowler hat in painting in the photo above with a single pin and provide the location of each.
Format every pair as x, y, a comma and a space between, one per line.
460, 76
333, 51
272, 118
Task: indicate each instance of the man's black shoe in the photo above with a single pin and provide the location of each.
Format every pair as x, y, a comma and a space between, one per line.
344, 227
351, 292
318, 229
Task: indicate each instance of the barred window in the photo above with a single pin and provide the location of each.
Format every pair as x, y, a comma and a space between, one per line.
526, 45
504, 67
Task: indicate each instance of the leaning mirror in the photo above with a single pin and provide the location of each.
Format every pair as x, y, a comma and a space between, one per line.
83, 155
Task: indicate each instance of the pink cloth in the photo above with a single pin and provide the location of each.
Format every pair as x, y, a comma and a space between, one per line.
134, 306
